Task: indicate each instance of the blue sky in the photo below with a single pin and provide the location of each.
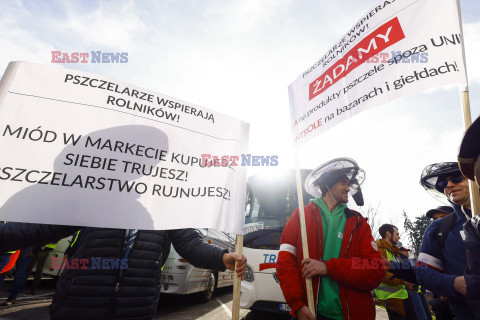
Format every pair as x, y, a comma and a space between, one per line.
239, 57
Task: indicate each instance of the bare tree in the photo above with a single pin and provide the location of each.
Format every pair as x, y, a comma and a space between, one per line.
371, 212
415, 230
376, 218
395, 220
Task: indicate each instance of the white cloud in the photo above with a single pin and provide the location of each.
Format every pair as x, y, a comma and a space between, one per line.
245, 17
111, 25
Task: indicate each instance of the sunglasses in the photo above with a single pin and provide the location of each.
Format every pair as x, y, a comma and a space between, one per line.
444, 182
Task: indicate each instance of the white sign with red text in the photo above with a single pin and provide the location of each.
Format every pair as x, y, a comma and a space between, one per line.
84, 149
397, 48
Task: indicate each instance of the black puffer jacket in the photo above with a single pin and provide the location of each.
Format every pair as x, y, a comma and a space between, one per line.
100, 293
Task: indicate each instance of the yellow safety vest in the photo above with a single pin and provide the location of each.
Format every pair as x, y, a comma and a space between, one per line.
51, 246
385, 291
75, 239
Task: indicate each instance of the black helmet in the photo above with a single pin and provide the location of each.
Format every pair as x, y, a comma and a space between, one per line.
468, 156
444, 209
435, 172
329, 173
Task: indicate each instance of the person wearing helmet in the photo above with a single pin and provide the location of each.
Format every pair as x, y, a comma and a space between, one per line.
345, 264
469, 162
442, 259
439, 212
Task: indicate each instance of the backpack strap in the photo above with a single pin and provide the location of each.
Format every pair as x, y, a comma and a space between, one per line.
447, 224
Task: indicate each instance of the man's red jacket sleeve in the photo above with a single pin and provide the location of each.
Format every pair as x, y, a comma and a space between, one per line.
292, 283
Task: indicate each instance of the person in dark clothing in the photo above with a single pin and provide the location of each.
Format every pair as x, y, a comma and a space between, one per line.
469, 163
472, 272
423, 299
19, 276
418, 299
116, 274
39, 258
439, 304
440, 266
439, 212
441, 308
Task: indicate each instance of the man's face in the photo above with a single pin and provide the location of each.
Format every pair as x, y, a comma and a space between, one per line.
340, 190
439, 215
394, 237
458, 193
404, 252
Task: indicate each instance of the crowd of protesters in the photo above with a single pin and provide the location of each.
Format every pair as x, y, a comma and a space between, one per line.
346, 265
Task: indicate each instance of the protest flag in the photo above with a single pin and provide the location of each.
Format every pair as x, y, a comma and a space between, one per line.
396, 48
84, 149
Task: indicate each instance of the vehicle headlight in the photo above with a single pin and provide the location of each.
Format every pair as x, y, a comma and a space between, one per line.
248, 275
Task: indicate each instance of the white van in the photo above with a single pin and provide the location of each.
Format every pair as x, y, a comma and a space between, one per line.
180, 277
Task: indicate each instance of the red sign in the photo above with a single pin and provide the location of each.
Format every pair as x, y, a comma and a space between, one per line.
377, 41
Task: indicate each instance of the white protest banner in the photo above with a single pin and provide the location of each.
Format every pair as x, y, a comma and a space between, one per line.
84, 149
397, 48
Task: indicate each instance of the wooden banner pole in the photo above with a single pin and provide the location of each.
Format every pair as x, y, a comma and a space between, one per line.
237, 281
240, 208
303, 228
467, 115
467, 120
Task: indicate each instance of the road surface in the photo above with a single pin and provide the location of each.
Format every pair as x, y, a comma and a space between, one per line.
28, 307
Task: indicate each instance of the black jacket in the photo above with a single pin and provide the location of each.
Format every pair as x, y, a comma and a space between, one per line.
87, 293
472, 273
